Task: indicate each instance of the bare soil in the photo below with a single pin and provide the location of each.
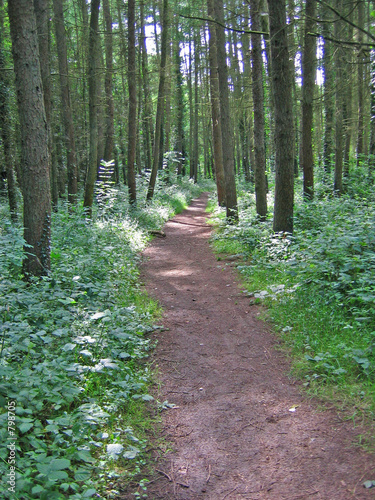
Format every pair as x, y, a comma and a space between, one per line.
242, 428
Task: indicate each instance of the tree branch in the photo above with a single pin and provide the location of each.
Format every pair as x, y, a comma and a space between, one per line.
322, 2
342, 42
211, 20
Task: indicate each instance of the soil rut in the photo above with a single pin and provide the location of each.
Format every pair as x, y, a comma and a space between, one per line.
233, 433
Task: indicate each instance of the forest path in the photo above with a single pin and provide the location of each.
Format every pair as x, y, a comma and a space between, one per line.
233, 433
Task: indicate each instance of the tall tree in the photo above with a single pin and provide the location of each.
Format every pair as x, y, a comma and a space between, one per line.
42, 15
34, 139
147, 104
284, 136
161, 100
246, 121
293, 49
132, 126
180, 134
372, 119
215, 108
360, 81
226, 125
5, 123
195, 150
93, 111
62, 53
329, 93
308, 84
258, 96
337, 185
109, 131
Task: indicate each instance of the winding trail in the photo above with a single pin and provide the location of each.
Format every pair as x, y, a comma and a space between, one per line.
233, 433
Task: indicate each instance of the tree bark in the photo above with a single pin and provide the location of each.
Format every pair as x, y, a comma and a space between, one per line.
195, 151
42, 16
147, 104
109, 133
226, 125
161, 101
65, 100
337, 185
258, 97
180, 139
246, 124
34, 139
372, 119
329, 95
293, 49
132, 85
215, 109
5, 125
308, 84
284, 137
360, 82
93, 115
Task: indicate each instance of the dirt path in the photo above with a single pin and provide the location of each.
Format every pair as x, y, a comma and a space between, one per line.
233, 432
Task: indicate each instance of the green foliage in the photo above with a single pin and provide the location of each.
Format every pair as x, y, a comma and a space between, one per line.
70, 350
318, 286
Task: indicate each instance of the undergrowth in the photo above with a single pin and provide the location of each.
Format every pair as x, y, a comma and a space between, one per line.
318, 286
74, 386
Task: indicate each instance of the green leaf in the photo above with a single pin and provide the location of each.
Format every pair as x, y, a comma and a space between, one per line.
37, 489
82, 474
85, 456
25, 426
98, 315
53, 465
89, 493
69, 347
131, 453
56, 475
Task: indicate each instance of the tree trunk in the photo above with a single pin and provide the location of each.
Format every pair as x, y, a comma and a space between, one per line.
308, 84
65, 100
372, 118
246, 123
161, 100
258, 97
147, 105
42, 16
329, 96
195, 151
215, 109
34, 139
109, 133
93, 114
132, 85
337, 185
348, 118
180, 139
226, 125
360, 82
293, 49
284, 137
191, 108
5, 125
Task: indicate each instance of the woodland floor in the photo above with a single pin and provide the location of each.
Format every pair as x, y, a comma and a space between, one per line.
232, 432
